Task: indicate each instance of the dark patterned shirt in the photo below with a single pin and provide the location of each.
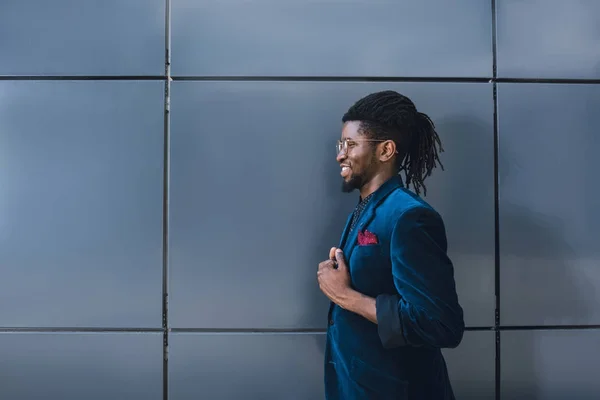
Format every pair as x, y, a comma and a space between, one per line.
359, 209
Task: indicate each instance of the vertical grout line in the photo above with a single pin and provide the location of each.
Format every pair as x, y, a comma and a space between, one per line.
497, 377
497, 241
166, 188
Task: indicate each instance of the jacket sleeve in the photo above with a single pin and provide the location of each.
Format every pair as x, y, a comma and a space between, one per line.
425, 310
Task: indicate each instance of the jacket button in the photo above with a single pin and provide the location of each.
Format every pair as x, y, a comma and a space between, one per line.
331, 322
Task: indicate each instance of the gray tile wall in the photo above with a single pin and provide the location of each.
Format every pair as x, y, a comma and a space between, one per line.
255, 91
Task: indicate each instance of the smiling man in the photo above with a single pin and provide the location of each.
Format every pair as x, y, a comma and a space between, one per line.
391, 284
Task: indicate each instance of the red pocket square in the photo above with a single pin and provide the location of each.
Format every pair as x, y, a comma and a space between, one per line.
366, 238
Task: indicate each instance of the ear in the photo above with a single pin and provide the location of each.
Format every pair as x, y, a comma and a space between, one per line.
388, 150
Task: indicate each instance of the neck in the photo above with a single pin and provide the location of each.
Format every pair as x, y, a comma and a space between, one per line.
375, 183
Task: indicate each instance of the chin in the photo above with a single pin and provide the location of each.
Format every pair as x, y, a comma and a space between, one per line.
350, 185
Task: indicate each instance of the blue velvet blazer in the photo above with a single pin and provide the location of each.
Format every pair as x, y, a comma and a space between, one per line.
412, 279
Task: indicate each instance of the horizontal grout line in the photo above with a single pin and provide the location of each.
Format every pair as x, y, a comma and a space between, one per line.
244, 330
282, 330
272, 330
181, 330
296, 79
548, 327
328, 79
83, 329
468, 329
547, 80
82, 78
379, 79
479, 328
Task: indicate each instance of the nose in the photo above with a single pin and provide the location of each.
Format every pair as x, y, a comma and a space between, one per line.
341, 156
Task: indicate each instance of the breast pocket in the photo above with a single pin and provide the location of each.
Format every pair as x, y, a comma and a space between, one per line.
371, 256
370, 269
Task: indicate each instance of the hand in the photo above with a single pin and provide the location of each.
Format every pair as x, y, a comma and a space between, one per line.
334, 282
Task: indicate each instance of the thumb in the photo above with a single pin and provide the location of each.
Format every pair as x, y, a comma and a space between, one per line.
339, 256
332, 253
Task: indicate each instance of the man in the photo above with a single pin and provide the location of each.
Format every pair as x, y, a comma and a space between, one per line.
391, 284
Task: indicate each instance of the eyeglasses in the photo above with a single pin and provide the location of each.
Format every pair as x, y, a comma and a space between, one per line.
349, 143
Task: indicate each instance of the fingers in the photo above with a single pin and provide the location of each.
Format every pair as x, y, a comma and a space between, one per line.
336, 259
326, 264
339, 257
332, 253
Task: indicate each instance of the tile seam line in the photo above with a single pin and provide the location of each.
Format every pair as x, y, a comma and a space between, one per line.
166, 198
496, 135
331, 79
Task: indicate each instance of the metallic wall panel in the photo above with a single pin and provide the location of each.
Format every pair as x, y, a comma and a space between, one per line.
550, 365
332, 38
549, 215
472, 366
75, 366
548, 38
246, 366
256, 201
65, 37
255, 365
81, 168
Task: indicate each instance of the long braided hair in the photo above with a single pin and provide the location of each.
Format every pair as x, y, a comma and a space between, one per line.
388, 115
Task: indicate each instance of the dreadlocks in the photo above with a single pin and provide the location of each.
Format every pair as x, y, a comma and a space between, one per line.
389, 115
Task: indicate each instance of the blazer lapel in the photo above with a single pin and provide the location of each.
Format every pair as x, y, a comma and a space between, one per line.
345, 232
367, 215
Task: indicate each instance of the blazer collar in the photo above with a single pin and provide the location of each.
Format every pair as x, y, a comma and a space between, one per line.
384, 190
